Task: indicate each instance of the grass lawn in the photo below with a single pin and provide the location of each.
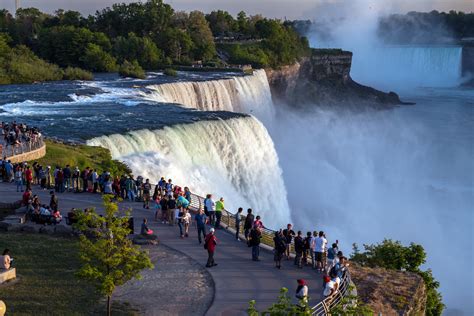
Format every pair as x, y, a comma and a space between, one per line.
46, 283
81, 156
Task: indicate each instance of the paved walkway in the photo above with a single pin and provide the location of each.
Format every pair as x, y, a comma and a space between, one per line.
237, 278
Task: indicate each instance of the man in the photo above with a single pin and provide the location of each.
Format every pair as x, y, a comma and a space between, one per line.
307, 248
210, 245
201, 219
28, 177
238, 220
288, 233
75, 180
53, 203
210, 206
254, 241
171, 210
299, 248
146, 194
320, 248
19, 180
67, 178
248, 224
164, 210
219, 208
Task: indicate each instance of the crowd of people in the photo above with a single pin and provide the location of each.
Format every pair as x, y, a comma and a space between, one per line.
16, 134
172, 206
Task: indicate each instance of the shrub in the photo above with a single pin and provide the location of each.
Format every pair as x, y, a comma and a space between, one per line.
131, 69
74, 73
170, 72
96, 59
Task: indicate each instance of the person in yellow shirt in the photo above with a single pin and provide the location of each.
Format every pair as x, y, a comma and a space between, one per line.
219, 208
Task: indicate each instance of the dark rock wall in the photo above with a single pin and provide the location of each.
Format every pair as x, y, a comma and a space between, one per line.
468, 60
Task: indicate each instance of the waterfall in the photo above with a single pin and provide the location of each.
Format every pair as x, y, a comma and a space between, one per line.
408, 66
246, 94
232, 158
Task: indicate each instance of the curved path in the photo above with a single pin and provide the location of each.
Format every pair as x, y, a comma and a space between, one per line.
237, 278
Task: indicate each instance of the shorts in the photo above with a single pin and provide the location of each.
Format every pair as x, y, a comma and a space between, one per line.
319, 256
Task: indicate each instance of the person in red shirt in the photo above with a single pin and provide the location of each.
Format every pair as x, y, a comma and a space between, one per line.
28, 177
26, 197
210, 243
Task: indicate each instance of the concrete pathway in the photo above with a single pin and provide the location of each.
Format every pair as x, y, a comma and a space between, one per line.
237, 278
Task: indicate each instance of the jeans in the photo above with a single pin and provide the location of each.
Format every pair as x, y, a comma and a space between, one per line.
210, 258
212, 217
298, 257
313, 262
67, 183
218, 219
131, 195
201, 229
180, 225
255, 252
237, 230
19, 185
247, 233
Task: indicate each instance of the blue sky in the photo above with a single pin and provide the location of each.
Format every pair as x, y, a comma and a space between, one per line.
274, 8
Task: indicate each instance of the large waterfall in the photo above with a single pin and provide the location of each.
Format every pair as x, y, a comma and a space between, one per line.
246, 94
233, 158
408, 66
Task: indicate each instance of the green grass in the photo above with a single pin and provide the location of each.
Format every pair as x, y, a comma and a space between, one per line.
46, 283
82, 156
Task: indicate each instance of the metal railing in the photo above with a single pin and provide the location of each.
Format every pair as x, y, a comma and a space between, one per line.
320, 309
10, 150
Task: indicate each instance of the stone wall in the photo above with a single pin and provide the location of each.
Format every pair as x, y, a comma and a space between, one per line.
468, 60
28, 156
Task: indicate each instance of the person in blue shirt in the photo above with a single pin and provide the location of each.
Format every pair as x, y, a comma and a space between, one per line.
201, 220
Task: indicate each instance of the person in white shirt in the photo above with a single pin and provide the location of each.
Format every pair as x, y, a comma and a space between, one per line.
210, 207
319, 249
328, 287
302, 291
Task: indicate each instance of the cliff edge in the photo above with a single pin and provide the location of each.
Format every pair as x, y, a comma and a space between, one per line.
324, 79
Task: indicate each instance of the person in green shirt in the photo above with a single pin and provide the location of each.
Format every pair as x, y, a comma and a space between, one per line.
219, 208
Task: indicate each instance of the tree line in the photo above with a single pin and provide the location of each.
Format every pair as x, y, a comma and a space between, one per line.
148, 35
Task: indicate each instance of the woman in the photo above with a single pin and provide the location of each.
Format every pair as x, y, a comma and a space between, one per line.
280, 247
302, 292
5, 260
56, 217
145, 230
186, 222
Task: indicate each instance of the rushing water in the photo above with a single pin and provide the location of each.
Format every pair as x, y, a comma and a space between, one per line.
405, 173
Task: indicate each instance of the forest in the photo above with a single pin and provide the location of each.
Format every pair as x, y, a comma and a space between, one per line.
131, 38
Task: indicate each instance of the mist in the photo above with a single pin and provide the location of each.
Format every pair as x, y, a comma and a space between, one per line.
354, 25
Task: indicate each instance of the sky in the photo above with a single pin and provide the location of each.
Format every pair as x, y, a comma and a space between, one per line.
291, 9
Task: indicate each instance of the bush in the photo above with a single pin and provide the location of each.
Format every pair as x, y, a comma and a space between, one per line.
170, 72
96, 59
74, 73
131, 69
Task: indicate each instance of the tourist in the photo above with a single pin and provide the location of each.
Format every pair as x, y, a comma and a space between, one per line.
56, 217
187, 194
258, 222
238, 219
108, 186
288, 233
19, 180
28, 177
328, 287
5, 260
180, 221
219, 208
340, 266
75, 179
53, 203
164, 210
169, 187
182, 202
210, 206
307, 247
84, 176
331, 257
337, 281
162, 184
67, 178
248, 224
201, 220
186, 218
302, 292
144, 229
320, 248
42, 176
130, 187
299, 248
210, 243
146, 194
255, 237
171, 210
279, 248
95, 181
313, 249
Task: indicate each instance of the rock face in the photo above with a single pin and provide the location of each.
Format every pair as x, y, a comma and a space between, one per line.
468, 61
390, 292
323, 79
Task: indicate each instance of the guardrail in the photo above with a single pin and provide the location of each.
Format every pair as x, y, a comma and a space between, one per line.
322, 308
8, 150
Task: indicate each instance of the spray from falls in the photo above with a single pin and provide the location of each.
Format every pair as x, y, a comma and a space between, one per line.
244, 94
233, 158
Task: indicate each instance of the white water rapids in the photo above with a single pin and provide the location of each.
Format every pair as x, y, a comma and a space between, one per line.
233, 158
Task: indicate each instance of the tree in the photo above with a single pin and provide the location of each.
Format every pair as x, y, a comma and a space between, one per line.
141, 49
393, 255
221, 23
109, 259
201, 35
282, 307
96, 59
177, 44
131, 69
